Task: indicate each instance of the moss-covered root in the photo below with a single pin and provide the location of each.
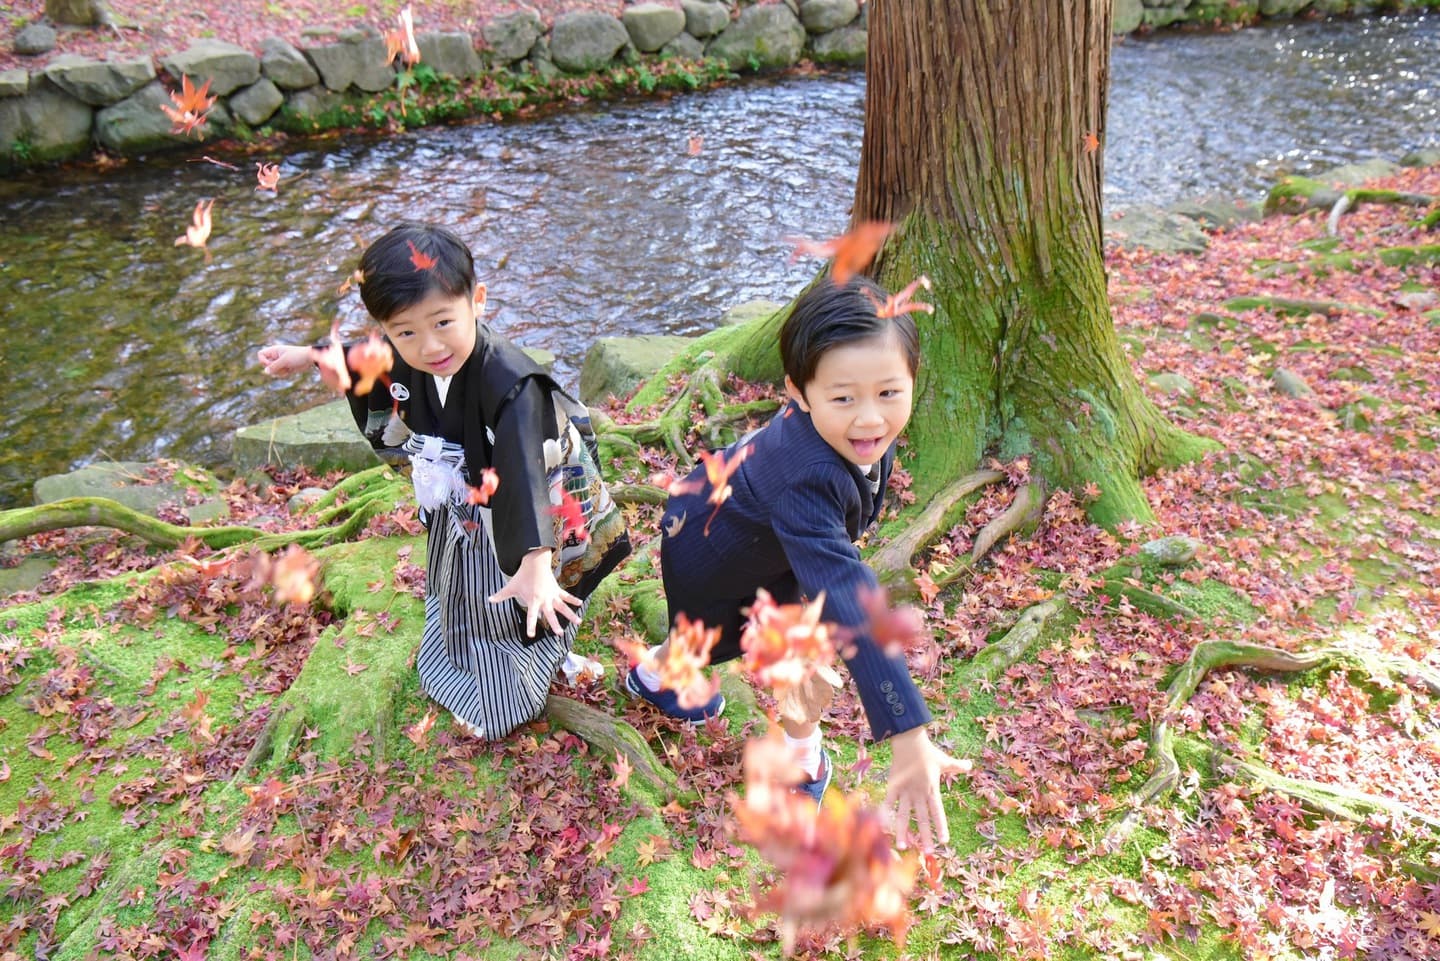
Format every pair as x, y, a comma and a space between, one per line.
892, 559
674, 422
104, 512
380, 484
612, 737
1216, 655
1017, 642
1021, 516
1330, 800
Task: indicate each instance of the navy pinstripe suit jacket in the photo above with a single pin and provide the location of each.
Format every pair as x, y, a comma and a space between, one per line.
789, 526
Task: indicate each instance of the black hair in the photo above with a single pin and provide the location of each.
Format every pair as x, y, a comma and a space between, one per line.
403, 267
828, 316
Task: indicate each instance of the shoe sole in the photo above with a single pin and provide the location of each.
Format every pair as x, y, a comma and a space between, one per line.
630, 692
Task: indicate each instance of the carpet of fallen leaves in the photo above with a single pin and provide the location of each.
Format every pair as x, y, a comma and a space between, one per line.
1318, 526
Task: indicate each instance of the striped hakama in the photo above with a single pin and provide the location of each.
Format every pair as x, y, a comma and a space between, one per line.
475, 659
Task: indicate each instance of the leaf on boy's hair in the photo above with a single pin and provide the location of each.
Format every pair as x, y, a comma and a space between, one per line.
371, 359
489, 484
897, 304
850, 253
419, 258
834, 865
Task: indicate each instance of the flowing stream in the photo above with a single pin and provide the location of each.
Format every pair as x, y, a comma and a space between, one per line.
118, 344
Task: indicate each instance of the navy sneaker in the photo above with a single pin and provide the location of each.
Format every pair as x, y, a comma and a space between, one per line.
816, 789
668, 703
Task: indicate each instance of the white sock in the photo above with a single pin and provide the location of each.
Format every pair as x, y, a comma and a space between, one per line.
648, 677
807, 752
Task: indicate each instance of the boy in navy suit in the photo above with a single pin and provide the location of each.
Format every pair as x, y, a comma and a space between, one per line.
812, 482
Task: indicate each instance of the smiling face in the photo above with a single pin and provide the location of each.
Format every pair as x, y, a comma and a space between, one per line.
437, 333
860, 396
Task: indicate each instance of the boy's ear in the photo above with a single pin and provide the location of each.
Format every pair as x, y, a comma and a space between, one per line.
797, 395
479, 299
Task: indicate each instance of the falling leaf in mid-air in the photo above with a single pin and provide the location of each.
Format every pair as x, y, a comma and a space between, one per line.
192, 106
401, 43
1092, 142
897, 304
572, 516
850, 253
268, 176
294, 576
330, 361
681, 666
786, 645
371, 360
198, 232
695, 145
489, 484
718, 469
419, 258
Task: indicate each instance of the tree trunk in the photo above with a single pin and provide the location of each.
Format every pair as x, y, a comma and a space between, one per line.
984, 126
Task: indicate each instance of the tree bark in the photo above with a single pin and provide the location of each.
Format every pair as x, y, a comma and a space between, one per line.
984, 126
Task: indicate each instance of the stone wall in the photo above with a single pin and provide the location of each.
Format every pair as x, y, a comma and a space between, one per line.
74, 105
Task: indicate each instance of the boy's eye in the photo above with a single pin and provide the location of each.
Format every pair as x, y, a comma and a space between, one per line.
446, 322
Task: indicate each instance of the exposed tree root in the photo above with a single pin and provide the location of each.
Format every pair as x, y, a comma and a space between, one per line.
1354, 198
612, 737
1331, 800
1292, 307
1022, 514
1151, 602
895, 556
1017, 642
675, 421
1214, 655
638, 494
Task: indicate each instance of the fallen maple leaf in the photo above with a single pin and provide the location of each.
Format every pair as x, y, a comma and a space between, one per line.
192, 106
636, 887
622, 771
850, 253
199, 230
419, 732
268, 176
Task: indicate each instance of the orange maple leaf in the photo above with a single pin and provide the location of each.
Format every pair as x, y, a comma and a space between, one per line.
718, 470
371, 360
419, 732
623, 768
269, 177
682, 667
1092, 142
783, 645
294, 576
192, 106
851, 253
199, 230
897, 304
419, 258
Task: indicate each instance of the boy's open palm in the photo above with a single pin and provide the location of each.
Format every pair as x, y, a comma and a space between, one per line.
535, 587
916, 769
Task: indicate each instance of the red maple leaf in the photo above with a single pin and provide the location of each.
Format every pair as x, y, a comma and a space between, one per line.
897, 304
419, 258
572, 516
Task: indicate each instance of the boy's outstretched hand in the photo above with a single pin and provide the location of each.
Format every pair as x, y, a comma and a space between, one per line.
535, 587
280, 359
916, 767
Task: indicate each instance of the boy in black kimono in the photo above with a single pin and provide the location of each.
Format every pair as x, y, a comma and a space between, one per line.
464, 399
812, 482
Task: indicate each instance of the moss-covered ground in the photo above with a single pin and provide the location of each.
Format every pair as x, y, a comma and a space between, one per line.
138, 818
